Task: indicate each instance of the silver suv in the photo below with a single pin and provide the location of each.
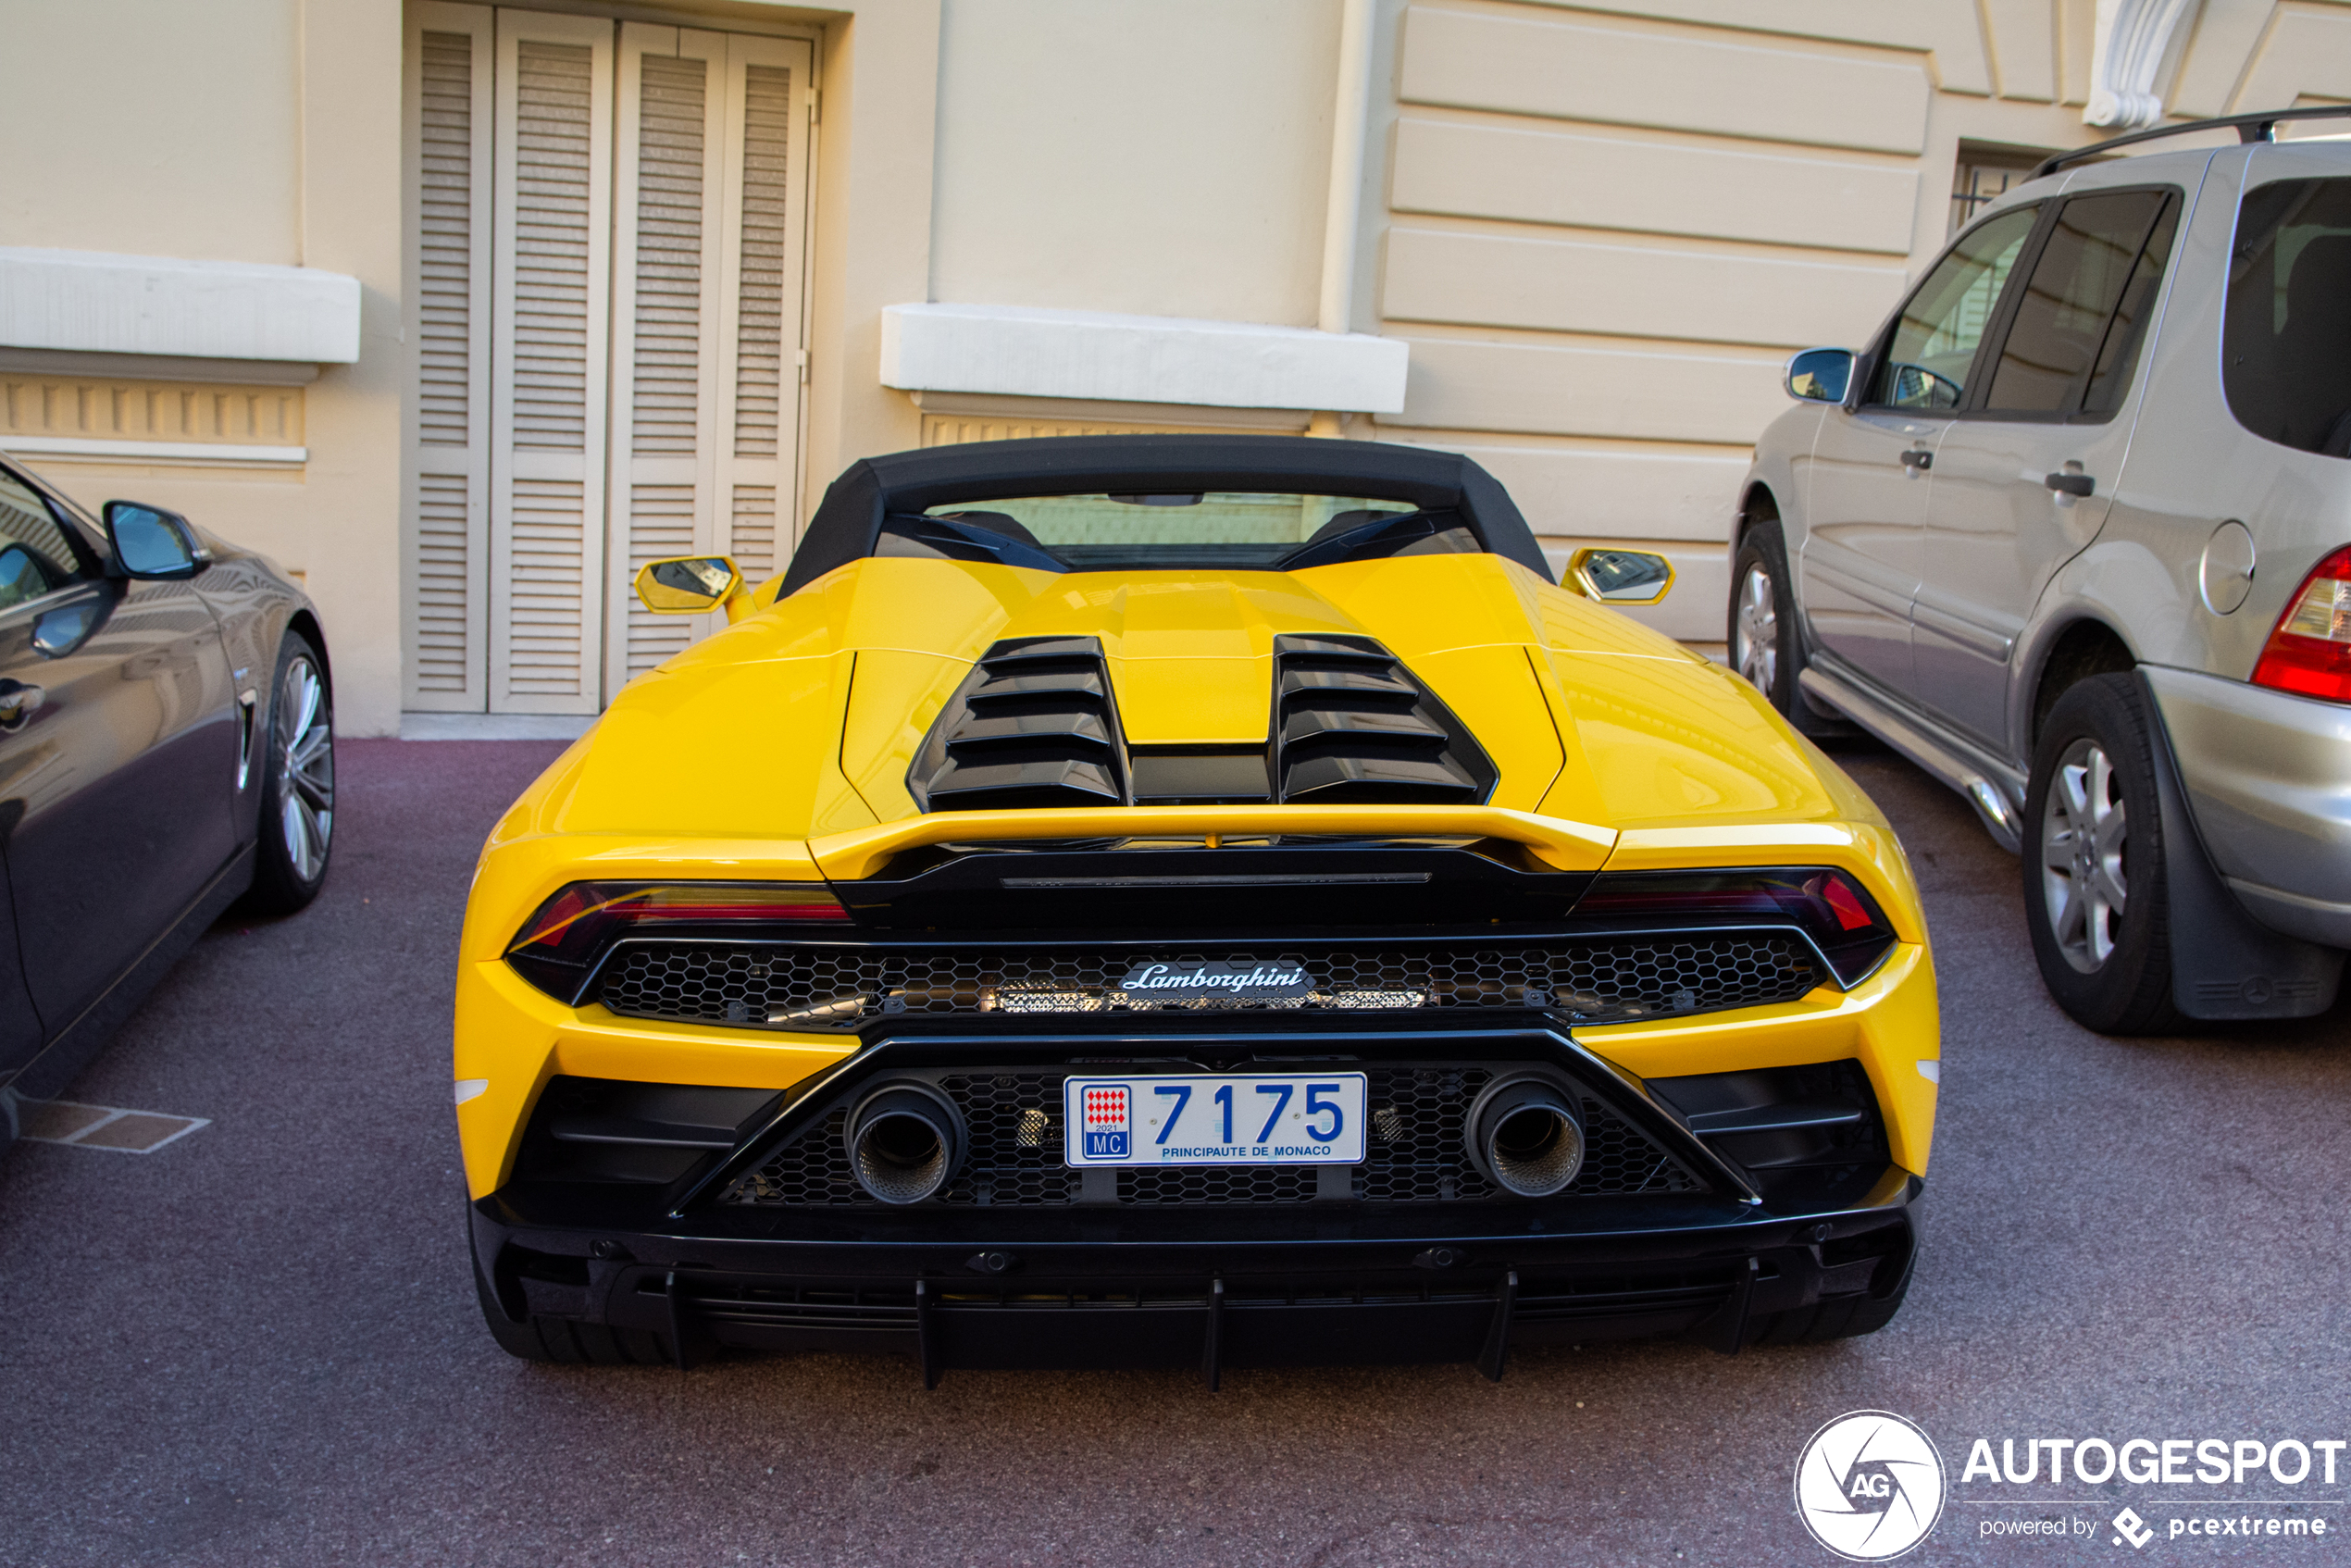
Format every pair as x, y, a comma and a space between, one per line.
2073, 533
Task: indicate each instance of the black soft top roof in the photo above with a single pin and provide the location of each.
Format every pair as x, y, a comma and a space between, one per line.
848, 522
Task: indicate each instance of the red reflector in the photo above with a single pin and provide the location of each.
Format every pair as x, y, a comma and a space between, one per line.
547, 927
585, 917
2309, 652
1841, 898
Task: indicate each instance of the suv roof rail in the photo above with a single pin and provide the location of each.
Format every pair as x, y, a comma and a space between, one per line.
2261, 127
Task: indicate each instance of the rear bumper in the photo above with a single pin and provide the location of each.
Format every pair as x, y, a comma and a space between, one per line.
1120, 1290
2269, 776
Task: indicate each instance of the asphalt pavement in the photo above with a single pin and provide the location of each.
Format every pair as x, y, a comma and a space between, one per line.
259, 1345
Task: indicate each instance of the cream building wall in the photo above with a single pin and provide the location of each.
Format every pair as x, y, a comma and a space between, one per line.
1598, 228
1152, 159
243, 131
270, 131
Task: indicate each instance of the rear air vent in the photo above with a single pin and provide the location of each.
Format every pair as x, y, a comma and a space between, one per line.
1351, 725
1033, 724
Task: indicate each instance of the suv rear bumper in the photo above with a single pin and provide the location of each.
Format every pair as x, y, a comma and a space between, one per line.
1708, 1269
2268, 778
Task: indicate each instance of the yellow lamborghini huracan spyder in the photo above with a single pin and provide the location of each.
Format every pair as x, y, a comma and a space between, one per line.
1171, 900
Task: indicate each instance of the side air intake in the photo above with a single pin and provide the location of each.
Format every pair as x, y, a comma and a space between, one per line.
1351, 723
1033, 724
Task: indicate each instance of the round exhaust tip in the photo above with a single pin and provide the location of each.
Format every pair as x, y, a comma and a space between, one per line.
905, 1142
1528, 1136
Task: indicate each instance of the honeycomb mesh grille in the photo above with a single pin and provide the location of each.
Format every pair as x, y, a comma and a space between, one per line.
1415, 1153
827, 987
1420, 1128
812, 1169
1015, 1124
1220, 1184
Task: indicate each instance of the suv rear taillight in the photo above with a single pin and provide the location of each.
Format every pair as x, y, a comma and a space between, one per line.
2309, 653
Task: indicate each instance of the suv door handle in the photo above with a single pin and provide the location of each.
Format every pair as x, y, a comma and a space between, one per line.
1918, 460
2070, 484
18, 703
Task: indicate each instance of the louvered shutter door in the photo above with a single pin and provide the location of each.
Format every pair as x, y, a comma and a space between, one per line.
708, 258
450, 59
665, 327
550, 287
763, 260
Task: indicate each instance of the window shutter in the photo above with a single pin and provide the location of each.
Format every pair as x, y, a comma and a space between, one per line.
550, 287
608, 229
664, 326
706, 272
449, 54
764, 254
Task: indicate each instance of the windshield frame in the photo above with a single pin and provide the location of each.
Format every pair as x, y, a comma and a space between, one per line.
849, 524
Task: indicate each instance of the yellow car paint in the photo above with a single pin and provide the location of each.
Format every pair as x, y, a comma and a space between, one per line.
777, 749
1570, 846
1890, 1021
515, 1037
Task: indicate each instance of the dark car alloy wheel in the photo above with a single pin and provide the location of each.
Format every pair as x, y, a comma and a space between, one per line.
298, 784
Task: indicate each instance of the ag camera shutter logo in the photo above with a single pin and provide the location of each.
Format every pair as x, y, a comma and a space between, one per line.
1870, 1486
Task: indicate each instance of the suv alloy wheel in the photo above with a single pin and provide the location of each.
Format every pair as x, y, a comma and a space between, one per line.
2096, 897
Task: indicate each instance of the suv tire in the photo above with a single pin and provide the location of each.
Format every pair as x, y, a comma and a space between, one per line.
1764, 643
2096, 894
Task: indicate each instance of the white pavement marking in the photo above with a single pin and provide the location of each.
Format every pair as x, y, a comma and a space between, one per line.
103, 1127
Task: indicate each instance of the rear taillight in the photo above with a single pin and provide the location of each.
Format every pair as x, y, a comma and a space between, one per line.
1828, 906
563, 941
2309, 653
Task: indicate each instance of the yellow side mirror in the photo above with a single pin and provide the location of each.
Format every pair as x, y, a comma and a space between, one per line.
1619, 576
689, 585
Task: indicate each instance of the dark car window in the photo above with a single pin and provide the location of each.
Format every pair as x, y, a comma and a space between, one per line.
2067, 337
1240, 531
20, 577
35, 556
1934, 344
2286, 345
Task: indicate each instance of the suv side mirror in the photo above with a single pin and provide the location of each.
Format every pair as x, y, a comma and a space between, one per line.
1621, 577
151, 542
1820, 375
690, 585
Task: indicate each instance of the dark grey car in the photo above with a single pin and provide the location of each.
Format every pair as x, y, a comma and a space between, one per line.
167, 749
2073, 532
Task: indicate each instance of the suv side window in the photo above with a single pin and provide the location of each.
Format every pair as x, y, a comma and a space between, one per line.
2082, 315
2286, 342
1928, 358
35, 556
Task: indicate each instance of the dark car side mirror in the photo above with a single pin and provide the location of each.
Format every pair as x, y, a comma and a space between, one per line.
151, 542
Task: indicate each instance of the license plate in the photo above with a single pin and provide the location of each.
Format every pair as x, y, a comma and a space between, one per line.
1296, 1119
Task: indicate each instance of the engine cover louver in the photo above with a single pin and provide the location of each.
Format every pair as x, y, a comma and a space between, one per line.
1351, 723
1033, 724
1036, 725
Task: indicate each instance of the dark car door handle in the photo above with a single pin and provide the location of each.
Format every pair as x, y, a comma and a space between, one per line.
2070, 484
1917, 458
18, 703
